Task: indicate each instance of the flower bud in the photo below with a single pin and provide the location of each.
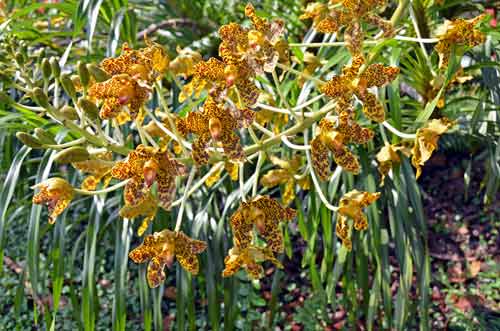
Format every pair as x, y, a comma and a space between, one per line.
84, 74
41, 98
215, 127
46, 69
150, 170
69, 113
29, 140
89, 108
56, 69
72, 154
98, 74
68, 85
45, 137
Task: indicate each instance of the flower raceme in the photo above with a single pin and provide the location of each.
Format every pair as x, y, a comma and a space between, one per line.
227, 107
351, 14
56, 193
161, 248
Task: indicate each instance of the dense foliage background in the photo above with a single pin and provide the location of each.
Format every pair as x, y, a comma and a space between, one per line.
76, 274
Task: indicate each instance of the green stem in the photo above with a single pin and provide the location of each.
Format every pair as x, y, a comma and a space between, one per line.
106, 190
184, 198
68, 144
170, 121
398, 13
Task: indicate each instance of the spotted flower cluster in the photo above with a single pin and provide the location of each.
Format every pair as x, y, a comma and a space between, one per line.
244, 54
160, 250
264, 214
351, 208
459, 32
132, 74
351, 14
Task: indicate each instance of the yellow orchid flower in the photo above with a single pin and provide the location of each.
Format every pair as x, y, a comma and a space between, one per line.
459, 32
249, 259
427, 140
56, 193
144, 166
161, 248
266, 214
351, 207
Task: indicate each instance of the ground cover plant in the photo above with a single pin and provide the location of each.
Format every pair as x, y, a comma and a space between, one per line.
221, 165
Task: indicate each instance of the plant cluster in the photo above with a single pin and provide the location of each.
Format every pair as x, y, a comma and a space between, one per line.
117, 90
230, 122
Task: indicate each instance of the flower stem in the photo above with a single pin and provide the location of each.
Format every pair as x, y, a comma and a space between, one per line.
106, 190
260, 160
184, 198
170, 121
399, 133
282, 96
242, 182
68, 144
368, 42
